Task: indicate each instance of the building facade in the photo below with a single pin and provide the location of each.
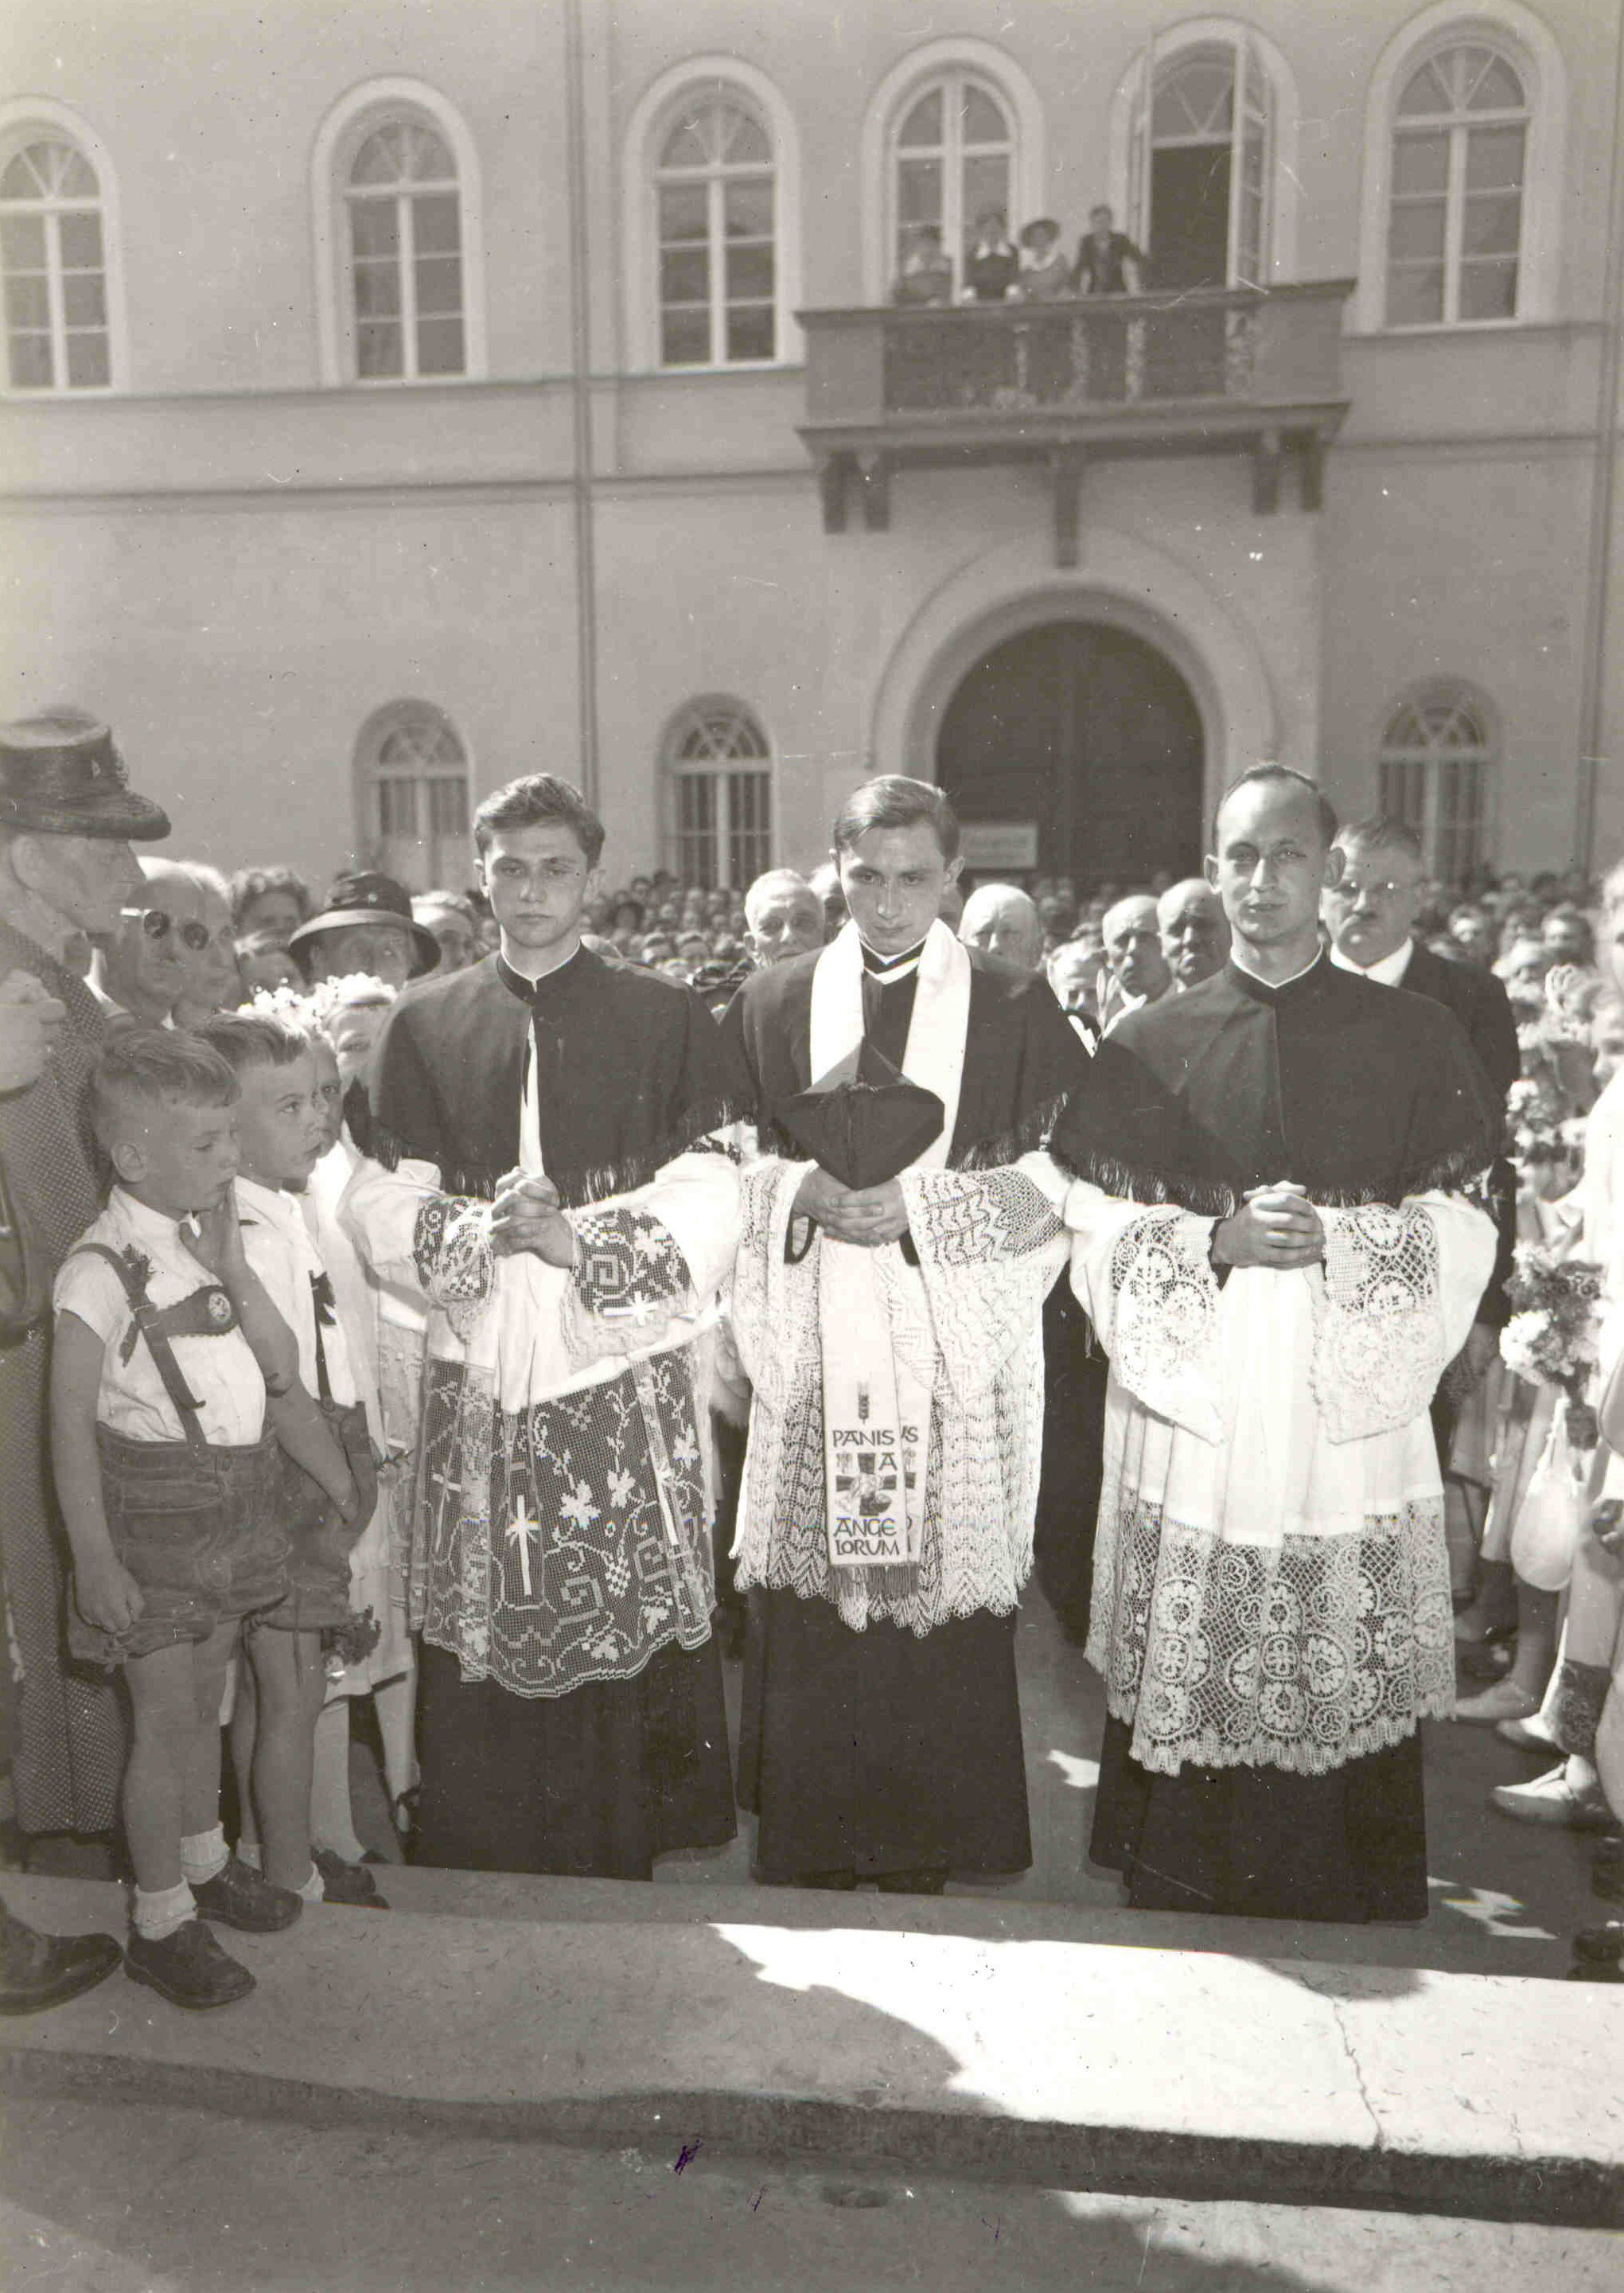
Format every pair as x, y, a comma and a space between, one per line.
401, 398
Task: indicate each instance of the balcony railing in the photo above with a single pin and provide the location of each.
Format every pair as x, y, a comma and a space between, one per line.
1253, 371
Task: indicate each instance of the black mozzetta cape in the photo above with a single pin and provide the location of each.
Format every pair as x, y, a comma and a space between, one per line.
1021, 1056
1355, 1094
631, 1070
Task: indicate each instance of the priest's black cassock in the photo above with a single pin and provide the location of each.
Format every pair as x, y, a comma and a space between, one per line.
883, 1755
1358, 1096
629, 1071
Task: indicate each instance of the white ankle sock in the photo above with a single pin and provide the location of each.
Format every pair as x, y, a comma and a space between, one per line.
203, 1856
250, 1852
312, 1891
163, 1911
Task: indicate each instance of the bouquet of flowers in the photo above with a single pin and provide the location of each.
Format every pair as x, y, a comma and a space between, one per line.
1551, 1337
1544, 1131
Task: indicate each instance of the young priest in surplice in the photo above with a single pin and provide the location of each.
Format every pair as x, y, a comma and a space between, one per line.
1278, 1237
892, 1336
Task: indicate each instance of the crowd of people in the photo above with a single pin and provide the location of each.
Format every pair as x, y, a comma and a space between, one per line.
1033, 267
492, 1305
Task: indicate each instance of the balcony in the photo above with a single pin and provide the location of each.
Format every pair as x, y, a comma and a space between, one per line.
1242, 371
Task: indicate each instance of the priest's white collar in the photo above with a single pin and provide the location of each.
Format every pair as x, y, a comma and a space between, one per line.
1273, 985
1391, 969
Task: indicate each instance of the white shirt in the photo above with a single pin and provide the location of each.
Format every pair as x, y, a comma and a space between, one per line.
221, 1372
1390, 971
276, 1244
1241, 964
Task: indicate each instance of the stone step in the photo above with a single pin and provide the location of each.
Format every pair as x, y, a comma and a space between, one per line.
1070, 2063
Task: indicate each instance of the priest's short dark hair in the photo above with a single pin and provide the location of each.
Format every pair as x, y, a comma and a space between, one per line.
540, 799
895, 802
1284, 776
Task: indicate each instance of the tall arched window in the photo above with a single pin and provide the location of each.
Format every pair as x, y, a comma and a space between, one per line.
719, 775
716, 194
1436, 758
54, 254
412, 773
406, 257
953, 157
1455, 206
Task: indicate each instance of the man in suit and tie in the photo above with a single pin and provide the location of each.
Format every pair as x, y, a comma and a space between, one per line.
1370, 911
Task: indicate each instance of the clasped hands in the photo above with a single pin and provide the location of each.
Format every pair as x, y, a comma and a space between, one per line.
1276, 1226
865, 1215
526, 1216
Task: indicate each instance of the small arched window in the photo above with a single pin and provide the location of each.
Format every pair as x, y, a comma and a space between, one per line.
406, 255
954, 156
719, 772
1455, 205
54, 254
1436, 758
716, 195
413, 782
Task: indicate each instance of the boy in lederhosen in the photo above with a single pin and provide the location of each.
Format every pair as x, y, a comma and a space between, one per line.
173, 1379
282, 1131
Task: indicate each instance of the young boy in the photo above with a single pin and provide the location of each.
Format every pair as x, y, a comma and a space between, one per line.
169, 1475
282, 1130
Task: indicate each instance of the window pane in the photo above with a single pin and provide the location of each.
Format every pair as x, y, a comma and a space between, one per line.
434, 224
447, 807
1426, 94
427, 160
1488, 290
986, 186
32, 368
28, 303
1499, 89
76, 178
440, 286
1494, 158
379, 159
1420, 163
81, 240
1415, 294
684, 212
22, 242
374, 227
377, 290
378, 351
749, 274
87, 362
19, 181
923, 124
749, 331
684, 276
748, 143
747, 209
919, 192
1416, 228
1491, 225
984, 121
397, 807
688, 145
83, 300
684, 337
439, 347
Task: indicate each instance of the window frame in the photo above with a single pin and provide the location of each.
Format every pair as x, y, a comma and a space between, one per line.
650, 123
952, 154
714, 179
36, 120
1530, 49
1436, 693
347, 126
370, 775
675, 768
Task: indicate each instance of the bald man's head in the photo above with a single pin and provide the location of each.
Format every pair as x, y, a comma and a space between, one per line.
1133, 946
1194, 931
783, 917
1004, 925
143, 965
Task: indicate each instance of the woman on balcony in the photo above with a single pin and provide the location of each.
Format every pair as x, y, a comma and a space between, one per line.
991, 265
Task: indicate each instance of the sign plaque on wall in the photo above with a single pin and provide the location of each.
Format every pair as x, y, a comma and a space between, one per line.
989, 844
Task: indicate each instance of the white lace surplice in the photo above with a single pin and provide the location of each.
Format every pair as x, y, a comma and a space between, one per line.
1271, 1582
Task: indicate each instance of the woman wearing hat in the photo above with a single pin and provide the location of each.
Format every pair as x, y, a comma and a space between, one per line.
1045, 275
367, 926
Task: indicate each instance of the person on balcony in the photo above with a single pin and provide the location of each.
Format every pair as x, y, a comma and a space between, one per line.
1045, 275
1108, 263
991, 263
926, 275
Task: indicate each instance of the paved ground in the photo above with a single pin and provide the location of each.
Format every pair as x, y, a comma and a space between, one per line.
100, 2199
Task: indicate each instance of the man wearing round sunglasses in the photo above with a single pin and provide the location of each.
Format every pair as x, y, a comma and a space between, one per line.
140, 971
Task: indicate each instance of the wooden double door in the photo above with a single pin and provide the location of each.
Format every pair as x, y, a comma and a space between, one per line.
1089, 735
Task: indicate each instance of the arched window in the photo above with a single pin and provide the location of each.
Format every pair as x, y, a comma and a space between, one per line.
412, 773
396, 211
1434, 773
716, 196
953, 157
1455, 206
54, 252
719, 772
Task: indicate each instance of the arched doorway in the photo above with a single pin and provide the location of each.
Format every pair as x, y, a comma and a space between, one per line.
1088, 735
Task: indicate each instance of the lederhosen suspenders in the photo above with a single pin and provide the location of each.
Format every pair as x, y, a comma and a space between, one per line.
207, 1312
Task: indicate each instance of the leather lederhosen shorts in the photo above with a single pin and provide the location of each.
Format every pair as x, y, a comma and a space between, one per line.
319, 1541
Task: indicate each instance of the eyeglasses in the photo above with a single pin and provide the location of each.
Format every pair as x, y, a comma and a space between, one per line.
157, 924
1354, 887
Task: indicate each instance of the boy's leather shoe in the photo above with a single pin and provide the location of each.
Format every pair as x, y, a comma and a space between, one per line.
238, 1897
347, 1883
187, 1967
37, 1970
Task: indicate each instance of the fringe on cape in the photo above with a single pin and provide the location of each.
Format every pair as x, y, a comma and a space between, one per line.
1466, 1170
701, 1133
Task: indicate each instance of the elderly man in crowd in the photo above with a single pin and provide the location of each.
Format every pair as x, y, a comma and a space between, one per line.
68, 817
1194, 931
1004, 923
1137, 970
139, 972
783, 917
